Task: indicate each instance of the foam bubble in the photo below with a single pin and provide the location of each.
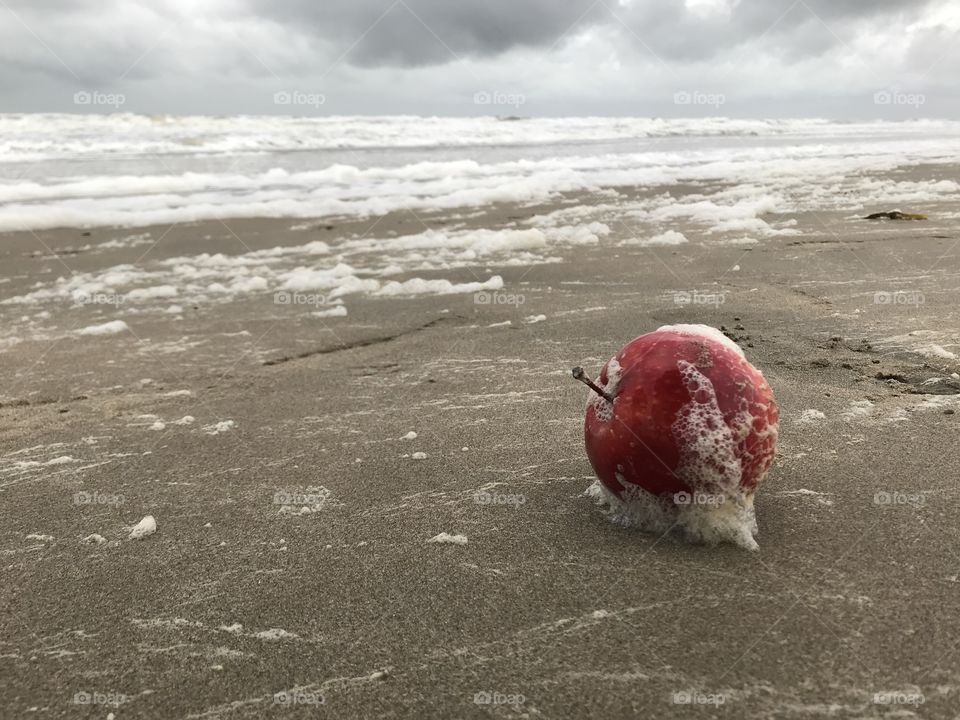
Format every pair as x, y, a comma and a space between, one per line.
708, 449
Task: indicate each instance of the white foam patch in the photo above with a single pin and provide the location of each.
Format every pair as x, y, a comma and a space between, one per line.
275, 634
858, 410
727, 522
108, 328
898, 416
588, 234
811, 416
307, 501
447, 538
418, 286
219, 278
939, 402
338, 311
670, 237
219, 427
144, 528
821, 498
931, 343
736, 241
341, 275
24, 465
937, 351
731, 210
152, 293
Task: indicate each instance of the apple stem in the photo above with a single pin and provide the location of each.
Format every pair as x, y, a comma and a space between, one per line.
579, 374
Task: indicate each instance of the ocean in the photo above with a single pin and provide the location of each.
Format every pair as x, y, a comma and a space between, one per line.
59, 170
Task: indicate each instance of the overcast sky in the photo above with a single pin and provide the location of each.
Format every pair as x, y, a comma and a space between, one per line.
769, 58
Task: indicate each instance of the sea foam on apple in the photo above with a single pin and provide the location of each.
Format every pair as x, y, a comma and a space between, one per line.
681, 429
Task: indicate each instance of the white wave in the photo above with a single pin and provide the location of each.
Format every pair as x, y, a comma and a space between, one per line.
808, 163
40, 136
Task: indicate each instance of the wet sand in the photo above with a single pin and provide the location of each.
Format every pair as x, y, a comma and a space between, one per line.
547, 610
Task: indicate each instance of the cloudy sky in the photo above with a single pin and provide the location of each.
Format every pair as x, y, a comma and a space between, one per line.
770, 58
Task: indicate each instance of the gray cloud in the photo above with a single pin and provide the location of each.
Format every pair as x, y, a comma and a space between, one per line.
574, 56
796, 30
420, 32
94, 38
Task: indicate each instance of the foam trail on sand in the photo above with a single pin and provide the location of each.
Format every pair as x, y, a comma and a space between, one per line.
731, 521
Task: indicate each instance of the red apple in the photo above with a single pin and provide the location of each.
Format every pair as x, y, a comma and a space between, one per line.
680, 414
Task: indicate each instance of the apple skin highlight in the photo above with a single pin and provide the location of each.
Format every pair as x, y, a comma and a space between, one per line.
687, 438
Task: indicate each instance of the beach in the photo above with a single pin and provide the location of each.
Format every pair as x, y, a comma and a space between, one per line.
363, 450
